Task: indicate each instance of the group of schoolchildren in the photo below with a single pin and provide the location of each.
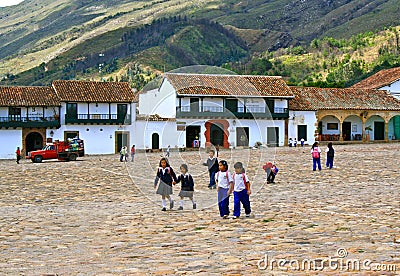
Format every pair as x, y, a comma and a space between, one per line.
220, 179
316, 155
223, 181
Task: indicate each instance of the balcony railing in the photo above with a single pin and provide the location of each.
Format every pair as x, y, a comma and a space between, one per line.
19, 121
220, 112
98, 119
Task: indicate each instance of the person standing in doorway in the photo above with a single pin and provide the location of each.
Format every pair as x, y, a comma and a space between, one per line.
18, 154
316, 155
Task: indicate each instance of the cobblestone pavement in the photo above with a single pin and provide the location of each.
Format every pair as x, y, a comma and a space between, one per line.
98, 216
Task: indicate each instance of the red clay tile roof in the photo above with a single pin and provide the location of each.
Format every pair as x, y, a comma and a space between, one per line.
229, 85
91, 91
380, 79
313, 98
28, 96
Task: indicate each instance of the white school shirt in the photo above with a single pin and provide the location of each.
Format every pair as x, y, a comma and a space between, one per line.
238, 180
221, 179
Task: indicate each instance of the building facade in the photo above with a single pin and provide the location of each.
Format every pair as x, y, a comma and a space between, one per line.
27, 116
199, 110
100, 113
388, 80
345, 114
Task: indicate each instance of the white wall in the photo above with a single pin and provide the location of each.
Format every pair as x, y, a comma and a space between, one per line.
256, 103
10, 139
99, 139
3, 111
32, 111
356, 123
281, 103
393, 88
167, 132
307, 118
217, 104
370, 122
330, 119
161, 102
257, 130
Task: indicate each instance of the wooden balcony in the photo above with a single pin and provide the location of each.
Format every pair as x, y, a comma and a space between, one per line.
99, 119
211, 112
29, 122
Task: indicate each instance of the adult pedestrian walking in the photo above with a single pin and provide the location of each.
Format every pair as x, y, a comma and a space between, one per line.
18, 154
123, 153
133, 151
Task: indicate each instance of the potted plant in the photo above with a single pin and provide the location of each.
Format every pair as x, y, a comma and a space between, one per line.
368, 129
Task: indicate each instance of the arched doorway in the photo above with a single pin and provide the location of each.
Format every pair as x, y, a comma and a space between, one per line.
155, 141
33, 141
352, 128
394, 128
216, 134
329, 128
375, 128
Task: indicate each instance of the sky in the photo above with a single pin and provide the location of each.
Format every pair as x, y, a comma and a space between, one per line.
4, 3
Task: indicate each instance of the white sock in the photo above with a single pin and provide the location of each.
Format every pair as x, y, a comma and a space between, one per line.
170, 199
164, 203
181, 202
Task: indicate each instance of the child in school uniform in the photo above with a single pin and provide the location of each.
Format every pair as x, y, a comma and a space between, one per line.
187, 186
213, 168
272, 174
241, 191
165, 177
224, 188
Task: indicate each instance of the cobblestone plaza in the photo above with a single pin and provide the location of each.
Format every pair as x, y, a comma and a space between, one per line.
98, 216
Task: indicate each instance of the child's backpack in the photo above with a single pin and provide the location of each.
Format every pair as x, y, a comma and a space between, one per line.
244, 177
315, 153
331, 152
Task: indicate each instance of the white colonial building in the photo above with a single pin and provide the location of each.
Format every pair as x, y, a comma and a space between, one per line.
26, 115
191, 110
387, 79
343, 114
100, 113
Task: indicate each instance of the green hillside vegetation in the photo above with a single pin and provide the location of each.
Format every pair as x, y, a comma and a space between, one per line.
328, 62
37, 31
176, 41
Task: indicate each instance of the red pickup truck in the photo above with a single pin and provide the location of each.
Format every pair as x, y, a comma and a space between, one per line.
62, 150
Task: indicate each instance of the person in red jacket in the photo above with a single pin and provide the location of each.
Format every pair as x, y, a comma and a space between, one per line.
18, 154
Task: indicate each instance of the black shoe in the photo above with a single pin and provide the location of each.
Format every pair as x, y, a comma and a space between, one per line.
164, 209
214, 187
171, 204
194, 206
180, 208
